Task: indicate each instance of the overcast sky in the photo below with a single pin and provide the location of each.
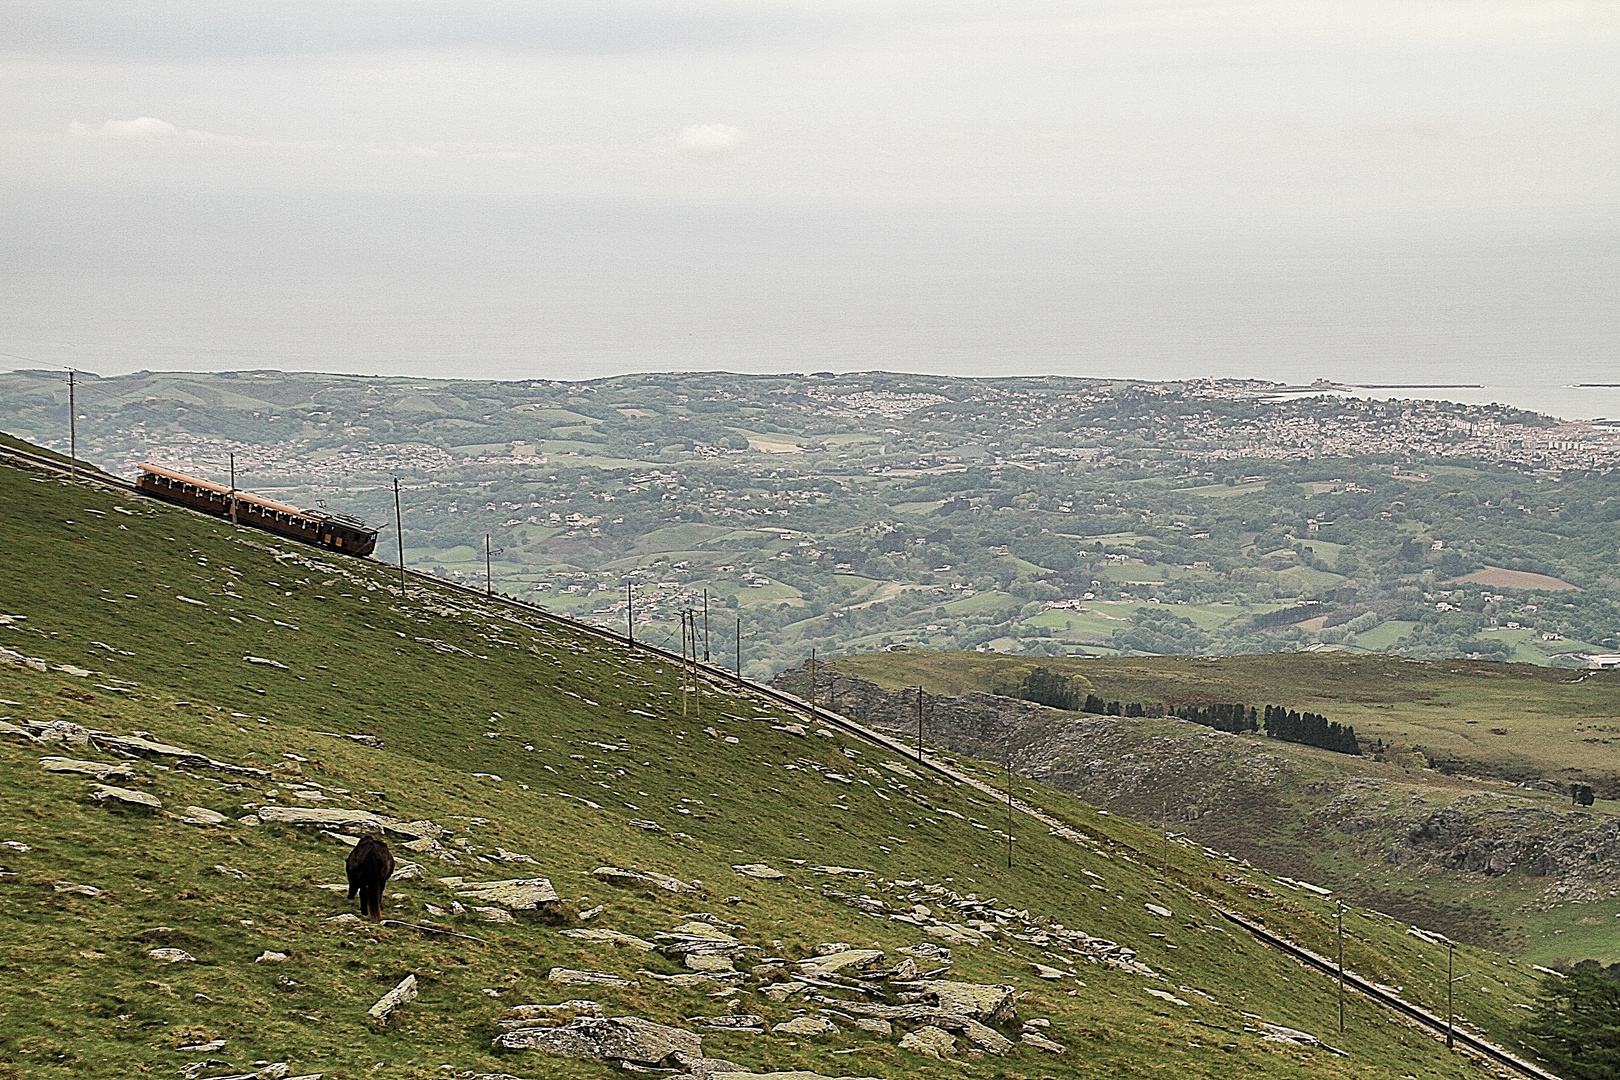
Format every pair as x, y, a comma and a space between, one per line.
570, 189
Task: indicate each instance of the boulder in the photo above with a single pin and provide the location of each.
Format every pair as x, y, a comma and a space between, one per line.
171, 956
822, 966
758, 870
876, 1027
929, 1042
201, 815
98, 769
331, 818
1041, 1042
991, 1002
391, 1002
521, 1016
730, 1022
604, 936
621, 1038
517, 894
809, 1026
631, 879
268, 957
102, 793
80, 890
573, 977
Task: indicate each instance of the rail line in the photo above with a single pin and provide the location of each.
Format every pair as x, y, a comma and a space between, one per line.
915, 756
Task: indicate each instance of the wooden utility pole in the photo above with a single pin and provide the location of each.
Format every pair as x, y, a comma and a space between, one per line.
489, 578
233, 488
739, 648
1009, 802
1164, 827
705, 626
683, 663
1341, 966
630, 610
1451, 1014
919, 724
812, 678
400, 529
73, 427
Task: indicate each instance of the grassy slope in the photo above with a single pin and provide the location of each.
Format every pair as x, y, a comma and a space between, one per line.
78, 994
1558, 723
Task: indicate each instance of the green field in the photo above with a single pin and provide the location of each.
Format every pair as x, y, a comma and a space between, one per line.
518, 737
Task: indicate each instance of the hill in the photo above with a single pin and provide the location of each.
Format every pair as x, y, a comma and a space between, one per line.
1458, 815
197, 716
847, 513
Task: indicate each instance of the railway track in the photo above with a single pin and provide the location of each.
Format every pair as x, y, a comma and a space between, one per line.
917, 756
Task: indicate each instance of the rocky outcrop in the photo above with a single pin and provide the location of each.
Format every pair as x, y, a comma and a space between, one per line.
620, 1039
929, 1042
631, 879
518, 894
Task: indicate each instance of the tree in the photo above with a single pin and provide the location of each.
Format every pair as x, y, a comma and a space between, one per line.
1576, 1023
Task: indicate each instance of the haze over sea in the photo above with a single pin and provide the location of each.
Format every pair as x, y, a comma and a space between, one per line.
1385, 192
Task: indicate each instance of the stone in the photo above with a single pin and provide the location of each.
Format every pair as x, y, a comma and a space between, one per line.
758, 870
992, 1002
876, 1027
573, 977
809, 1026
1048, 972
843, 871
929, 1042
1278, 1033
711, 963
408, 871
795, 1074
1164, 995
518, 894
494, 915
604, 936
730, 1022
519, 1016
268, 957
1041, 1042
201, 815
129, 797
989, 1039
171, 956
1162, 912
621, 1038
822, 966
782, 991
81, 890
16, 845
346, 917
393, 1001
631, 879
590, 913
353, 821
689, 981
99, 770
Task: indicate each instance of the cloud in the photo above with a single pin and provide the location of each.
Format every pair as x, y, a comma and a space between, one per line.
142, 129
709, 138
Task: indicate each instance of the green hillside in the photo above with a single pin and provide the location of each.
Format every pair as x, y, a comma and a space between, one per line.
296, 679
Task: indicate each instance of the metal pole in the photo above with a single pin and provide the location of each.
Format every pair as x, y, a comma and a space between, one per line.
400, 529
1451, 952
812, 678
233, 489
1341, 967
705, 626
73, 427
489, 580
683, 663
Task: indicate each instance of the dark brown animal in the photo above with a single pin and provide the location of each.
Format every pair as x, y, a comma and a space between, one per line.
370, 866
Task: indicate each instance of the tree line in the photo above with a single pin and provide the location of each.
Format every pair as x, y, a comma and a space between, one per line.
1046, 687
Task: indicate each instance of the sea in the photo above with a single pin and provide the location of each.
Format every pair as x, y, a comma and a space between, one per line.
1521, 312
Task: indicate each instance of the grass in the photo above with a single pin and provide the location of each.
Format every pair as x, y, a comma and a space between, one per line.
455, 687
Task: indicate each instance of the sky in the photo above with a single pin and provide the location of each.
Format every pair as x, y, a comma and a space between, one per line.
1373, 191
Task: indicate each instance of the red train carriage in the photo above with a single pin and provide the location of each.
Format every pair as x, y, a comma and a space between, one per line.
339, 532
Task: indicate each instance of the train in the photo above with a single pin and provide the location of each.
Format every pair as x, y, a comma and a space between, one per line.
337, 532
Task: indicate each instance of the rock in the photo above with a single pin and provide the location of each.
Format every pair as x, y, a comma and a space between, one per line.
518, 894
758, 870
991, 1040
127, 796
495, 915
711, 963
992, 1002
622, 1038
81, 890
1041, 1042
822, 966
97, 769
782, 991
1048, 972
730, 1022
809, 1026
631, 879
171, 956
687, 982
929, 1042
1278, 1033
797, 1074
572, 977
15, 845
354, 821
201, 815
346, 917
339, 838
540, 1015
1164, 995
608, 937
268, 957
843, 871
590, 913
391, 1002
876, 1027
1162, 912
512, 856
408, 871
